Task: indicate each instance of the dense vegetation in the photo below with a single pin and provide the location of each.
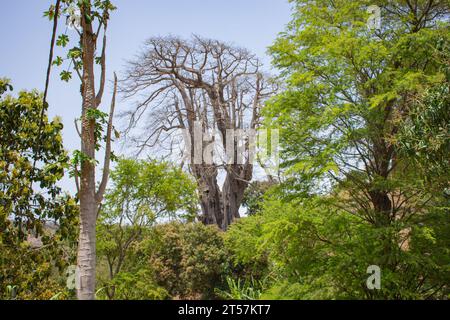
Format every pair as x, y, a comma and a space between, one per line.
364, 120
34, 255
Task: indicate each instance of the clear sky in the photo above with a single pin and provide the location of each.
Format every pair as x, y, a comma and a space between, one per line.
25, 37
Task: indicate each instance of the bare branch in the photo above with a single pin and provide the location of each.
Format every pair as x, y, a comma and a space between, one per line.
106, 164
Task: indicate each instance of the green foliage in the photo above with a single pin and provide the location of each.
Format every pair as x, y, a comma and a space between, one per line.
95, 12
138, 285
364, 127
5, 86
425, 135
62, 40
321, 253
247, 254
156, 189
78, 158
188, 259
58, 61
141, 192
351, 134
101, 121
66, 75
241, 290
32, 161
254, 196
344, 82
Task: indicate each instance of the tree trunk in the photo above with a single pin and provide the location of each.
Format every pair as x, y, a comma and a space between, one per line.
233, 193
379, 195
221, 208
382, 205
88, 205
210, 195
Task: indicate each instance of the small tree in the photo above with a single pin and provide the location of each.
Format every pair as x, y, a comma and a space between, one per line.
29, 250
90, 20
141, 192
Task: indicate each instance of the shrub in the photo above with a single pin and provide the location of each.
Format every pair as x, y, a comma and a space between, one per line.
248, 257
188, 259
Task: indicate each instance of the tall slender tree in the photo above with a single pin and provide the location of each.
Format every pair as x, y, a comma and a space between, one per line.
90, 20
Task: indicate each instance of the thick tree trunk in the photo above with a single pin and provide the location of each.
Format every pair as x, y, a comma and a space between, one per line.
210, 195
88, 204
233, 193
221, 207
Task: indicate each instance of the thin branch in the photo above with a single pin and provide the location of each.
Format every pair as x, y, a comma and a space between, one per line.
101, 190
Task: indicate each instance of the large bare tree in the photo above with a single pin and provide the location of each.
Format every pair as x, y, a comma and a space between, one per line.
200, 85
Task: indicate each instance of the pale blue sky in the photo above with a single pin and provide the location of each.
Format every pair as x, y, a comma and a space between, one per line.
25, 37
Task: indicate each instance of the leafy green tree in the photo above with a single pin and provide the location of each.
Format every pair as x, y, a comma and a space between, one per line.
315, 251
351, 87
30, 199
141, 193
350, 90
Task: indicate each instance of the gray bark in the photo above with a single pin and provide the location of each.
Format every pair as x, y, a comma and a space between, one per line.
209, 82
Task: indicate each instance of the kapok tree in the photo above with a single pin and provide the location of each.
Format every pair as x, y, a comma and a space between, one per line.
201, 85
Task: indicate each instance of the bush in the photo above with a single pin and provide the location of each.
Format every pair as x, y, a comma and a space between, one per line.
248, 257
188, 259
322, 253
138, 286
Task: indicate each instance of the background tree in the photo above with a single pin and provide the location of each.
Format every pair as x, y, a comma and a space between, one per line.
37, 225
203, 85
141, 192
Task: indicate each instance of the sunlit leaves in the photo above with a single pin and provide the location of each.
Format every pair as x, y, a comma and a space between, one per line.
74, 53
32, 162
58, 61
62, 40
5, 85
66, 75
361, 109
